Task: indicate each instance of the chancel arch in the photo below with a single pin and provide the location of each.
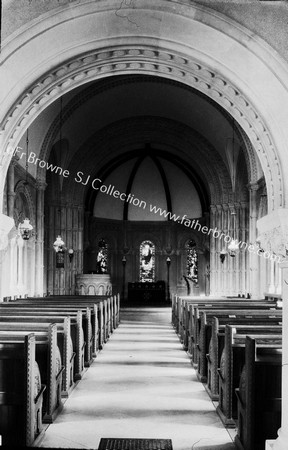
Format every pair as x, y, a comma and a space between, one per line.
185, 67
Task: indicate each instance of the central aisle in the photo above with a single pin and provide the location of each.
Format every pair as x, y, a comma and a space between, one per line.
141, 385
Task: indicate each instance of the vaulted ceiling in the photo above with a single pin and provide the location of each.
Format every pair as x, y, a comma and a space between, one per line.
104, 124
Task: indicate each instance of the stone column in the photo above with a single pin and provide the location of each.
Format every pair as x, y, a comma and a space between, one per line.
273, 236
213, 253
39, 242
279, 281
6, 225
253, 257
20, 247
243, 252
271, 288
219, 244
10, 185
226, 266
13, 264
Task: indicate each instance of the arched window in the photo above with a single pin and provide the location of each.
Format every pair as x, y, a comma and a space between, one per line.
102, 257
192, 261
147, 262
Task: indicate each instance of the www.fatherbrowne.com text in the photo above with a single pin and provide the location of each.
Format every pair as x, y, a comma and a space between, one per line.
130, 198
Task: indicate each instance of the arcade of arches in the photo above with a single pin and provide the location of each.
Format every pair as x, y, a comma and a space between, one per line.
132, 136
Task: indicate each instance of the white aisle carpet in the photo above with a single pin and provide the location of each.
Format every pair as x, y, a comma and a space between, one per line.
141, 385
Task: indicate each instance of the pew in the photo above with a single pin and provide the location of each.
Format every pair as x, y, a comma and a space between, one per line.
64, 342
60, 306
90, 321
178, 303
259, 395
108, 312
21, 391
202, 316
72, 332
99, 314
98, 317
203, 330
79, 299
189, 307
216, 344
231, 365
83, 327
181, 310
49, 361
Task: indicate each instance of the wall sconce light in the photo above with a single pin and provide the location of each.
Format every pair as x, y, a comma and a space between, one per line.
259, 248
59, 249
233, 247
223, 254
124, 260
70, 254
25, 229
59, 245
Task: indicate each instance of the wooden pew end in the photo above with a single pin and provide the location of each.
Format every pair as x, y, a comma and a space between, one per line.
227, 422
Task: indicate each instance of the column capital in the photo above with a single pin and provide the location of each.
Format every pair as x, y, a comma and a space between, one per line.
253, 186
232, 207
41, 185
284, 264
273, 232
14, 160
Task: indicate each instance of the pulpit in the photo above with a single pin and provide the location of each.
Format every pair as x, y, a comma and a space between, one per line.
93, 284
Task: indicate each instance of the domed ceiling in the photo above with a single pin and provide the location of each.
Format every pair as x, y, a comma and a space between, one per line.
149, 187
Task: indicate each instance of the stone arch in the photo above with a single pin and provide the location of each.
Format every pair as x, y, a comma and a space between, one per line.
22, 190
172, 57
93, 90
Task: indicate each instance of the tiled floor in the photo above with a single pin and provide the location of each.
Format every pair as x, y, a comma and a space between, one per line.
141, 385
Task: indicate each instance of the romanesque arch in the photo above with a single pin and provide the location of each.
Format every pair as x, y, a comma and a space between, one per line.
180, 49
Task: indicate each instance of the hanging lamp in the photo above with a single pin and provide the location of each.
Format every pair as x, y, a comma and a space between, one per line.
59, 244
25, 228
233, 247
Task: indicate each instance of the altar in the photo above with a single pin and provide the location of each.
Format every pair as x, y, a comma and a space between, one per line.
93, 284
146, 292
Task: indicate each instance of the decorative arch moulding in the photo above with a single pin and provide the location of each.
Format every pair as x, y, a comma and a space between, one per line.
147, 60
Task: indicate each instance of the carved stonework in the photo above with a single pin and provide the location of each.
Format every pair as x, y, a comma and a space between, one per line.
242, 383
273, 233
223, 364
93, 284
120, 60
6, 225
275, 241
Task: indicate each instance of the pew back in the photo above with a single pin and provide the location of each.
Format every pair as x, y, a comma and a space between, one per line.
21, 391
259, 395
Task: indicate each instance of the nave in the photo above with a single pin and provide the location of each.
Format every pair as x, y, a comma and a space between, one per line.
142, 385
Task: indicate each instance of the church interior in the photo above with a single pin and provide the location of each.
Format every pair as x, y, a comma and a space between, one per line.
144, 224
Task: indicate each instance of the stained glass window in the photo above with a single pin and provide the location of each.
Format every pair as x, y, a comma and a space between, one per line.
102, 257
192, 261
147, 262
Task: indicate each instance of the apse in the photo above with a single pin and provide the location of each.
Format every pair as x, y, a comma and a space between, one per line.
149, 191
